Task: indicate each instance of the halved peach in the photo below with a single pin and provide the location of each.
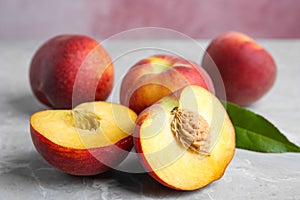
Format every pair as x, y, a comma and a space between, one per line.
186, 140
87, 140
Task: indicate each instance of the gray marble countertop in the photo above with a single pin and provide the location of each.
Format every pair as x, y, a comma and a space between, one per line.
25, 175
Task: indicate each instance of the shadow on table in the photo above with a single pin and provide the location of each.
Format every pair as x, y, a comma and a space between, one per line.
30, 169
26, 104
144, 184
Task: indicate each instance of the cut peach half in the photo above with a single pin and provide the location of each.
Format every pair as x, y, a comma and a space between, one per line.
185, 140
87, 140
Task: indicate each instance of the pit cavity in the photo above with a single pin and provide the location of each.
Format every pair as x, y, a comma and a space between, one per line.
86, 120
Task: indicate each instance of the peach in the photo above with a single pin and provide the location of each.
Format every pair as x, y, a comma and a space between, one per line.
71, 69
88, 140
157, 76
185, 140
247, 69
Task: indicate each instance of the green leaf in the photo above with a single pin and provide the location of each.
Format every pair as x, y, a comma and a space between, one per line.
254, 132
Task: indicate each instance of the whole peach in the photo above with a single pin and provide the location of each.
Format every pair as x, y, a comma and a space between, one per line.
71, 69
157, 76
247, 69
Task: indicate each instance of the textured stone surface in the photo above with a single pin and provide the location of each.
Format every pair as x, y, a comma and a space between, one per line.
251, 175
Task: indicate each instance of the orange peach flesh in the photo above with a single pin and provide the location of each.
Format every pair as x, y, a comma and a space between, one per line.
170, 163
116, 123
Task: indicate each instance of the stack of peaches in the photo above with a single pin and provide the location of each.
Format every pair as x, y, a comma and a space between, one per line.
168, 108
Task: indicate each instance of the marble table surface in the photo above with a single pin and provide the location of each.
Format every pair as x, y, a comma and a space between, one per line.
25, 175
